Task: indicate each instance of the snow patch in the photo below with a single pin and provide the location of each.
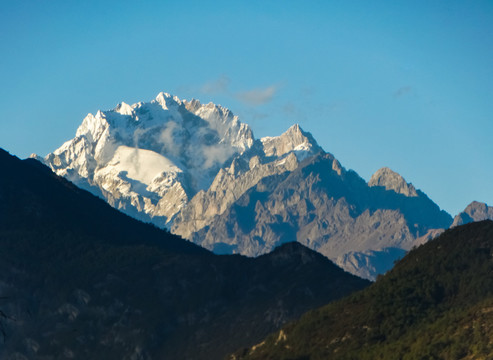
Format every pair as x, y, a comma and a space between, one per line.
141, 165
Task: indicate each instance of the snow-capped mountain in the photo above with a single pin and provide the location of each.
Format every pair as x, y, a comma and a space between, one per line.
197, 170
149, 159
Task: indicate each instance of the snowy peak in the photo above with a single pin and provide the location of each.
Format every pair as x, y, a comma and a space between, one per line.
224, 122
202, 136
392, 181
148, 159
167, 101
124, 109
475, 211
92, 126
294, 139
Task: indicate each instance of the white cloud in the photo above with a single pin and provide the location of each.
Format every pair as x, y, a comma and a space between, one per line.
258, 96
216, 154
220, 85
167, 138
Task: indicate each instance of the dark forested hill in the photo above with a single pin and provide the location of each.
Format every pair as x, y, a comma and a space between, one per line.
437, 303
81, 280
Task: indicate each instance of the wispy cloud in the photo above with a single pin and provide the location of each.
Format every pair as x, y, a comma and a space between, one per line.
404, 90
289, 108
215, 155
258, 96
220, 85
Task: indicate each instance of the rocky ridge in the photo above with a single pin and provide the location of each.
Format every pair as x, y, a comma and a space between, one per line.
267, 158
327, 208
197, 170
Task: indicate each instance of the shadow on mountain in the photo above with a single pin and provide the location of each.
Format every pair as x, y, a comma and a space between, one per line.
81, 280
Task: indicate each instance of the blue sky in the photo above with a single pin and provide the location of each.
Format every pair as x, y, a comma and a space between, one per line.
403, 84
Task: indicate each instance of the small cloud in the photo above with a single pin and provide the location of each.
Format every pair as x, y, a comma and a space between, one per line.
402, 91
219, 85
257, 96
289, 108
167, 138
216, 155
255, 115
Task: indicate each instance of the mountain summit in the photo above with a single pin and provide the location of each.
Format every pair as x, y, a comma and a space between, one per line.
149, 159
293, 140
391, 180
198, 171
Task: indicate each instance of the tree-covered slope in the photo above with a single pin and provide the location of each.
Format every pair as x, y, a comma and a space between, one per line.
437, 303
78, 279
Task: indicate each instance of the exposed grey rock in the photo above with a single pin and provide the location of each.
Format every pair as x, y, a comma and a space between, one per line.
475, 211
391, 180
326, 208
268, 157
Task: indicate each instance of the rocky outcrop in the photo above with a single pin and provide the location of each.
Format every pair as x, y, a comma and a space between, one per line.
391, 180
475, 211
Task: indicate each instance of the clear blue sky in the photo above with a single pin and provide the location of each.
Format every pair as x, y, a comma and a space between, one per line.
403, 84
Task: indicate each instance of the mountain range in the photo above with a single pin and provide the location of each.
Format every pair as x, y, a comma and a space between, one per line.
79, 279
264, 218
198, 171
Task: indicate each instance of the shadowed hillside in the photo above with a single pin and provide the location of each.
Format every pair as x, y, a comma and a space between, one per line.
79, 279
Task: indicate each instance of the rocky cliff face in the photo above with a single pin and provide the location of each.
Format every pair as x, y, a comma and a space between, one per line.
267, 158
329, 209
197, 170
475, 211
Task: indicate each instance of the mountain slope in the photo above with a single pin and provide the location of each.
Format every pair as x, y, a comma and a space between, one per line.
267, 158
321, 205
436, 303
198, 171
79, 279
